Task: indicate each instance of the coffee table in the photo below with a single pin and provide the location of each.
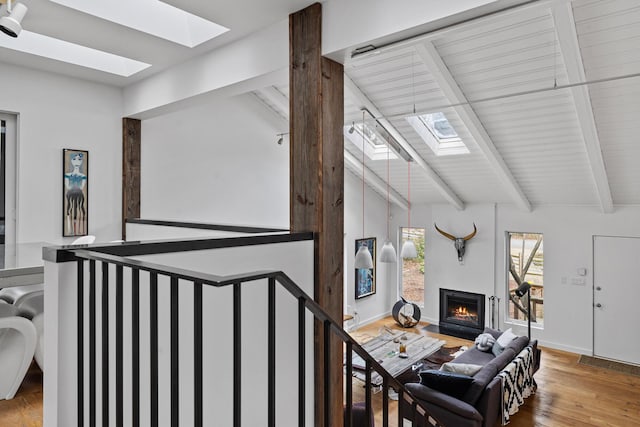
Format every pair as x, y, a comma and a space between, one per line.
385, 349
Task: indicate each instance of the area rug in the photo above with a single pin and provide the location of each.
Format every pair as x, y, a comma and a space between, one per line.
611, 365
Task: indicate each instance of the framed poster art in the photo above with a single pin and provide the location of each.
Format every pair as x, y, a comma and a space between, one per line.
75, 192
366, 277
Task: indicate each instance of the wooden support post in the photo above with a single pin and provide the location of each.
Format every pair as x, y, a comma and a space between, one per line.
131, 138
317, 185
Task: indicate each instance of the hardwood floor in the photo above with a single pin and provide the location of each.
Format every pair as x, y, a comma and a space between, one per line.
569, 394
25, 409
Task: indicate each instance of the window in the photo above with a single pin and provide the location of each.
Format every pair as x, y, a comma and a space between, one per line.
525, 263
438, 133
412, 271
375, 147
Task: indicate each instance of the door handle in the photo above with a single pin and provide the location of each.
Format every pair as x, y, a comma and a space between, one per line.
598, 288
598, 305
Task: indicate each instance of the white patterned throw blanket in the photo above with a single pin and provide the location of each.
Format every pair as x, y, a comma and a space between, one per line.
517, 383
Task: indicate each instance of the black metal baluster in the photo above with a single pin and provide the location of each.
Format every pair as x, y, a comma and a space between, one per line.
385, 402
367, 393
175, 355
119, 348
197, 353
301, 361
348, 416
92, 343
400, 405
135, 347
237, 356
80, 351
271, 357
326, 329
105, 344
153, 321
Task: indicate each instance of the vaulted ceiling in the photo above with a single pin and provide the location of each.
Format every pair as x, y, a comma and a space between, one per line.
544, 96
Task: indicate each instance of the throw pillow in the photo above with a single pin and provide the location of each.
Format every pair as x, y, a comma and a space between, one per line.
503, 341
461, 368
454, 385
485, 342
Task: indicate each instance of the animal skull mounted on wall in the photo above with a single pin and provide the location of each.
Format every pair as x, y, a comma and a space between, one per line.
458, 242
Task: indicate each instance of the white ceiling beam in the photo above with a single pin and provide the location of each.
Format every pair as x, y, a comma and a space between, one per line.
432, 59
354, 91
570, 49
279, 101
374, 181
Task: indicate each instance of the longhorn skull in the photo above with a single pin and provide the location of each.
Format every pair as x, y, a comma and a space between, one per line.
458, 242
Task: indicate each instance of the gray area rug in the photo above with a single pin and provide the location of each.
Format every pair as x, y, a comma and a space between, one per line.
610, 364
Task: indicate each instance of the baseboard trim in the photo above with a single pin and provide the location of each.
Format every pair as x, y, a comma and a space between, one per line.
365, 322
563, 347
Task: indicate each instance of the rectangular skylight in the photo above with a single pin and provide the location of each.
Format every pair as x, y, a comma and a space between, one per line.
152, 17
60, 50
438, 133
375, 147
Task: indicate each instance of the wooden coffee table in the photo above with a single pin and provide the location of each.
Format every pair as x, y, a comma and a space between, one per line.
385, 349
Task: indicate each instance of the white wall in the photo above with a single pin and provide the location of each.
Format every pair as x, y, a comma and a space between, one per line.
568, 234
378, 305
58, 112
217, 163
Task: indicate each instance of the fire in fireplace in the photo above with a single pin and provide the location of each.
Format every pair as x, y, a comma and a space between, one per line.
461, 313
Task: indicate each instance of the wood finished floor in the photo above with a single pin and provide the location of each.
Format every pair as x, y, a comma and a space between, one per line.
569, 394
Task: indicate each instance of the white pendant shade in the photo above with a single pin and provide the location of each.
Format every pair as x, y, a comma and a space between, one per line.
388, 253
363, 258
409, 250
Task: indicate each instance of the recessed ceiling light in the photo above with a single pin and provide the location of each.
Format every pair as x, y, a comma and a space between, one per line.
152, 17
60, 50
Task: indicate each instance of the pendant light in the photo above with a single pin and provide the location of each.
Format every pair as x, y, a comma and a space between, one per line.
388, 252
408, 247
363, 256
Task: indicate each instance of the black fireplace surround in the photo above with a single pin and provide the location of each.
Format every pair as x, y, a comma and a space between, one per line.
461, 313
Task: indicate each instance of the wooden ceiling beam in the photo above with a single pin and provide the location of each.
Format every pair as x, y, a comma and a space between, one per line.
570, 49
359, 97
428, 53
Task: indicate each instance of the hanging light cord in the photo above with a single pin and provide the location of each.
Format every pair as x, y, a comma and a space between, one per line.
363, 174
409, 193
388, 210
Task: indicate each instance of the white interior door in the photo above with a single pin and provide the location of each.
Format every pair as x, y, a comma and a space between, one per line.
616, 295
10, 136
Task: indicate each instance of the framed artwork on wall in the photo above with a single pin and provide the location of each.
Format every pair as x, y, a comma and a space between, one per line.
75, 192
366, 277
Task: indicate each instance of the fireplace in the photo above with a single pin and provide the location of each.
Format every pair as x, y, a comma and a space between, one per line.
461, 313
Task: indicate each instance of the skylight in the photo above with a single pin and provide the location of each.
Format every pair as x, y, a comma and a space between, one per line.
438, 133
152, 17
375, 147
60, 50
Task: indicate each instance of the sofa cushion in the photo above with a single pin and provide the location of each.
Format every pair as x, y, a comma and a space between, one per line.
461, 368
486, 374
474, 357
502, 341
519, 344
450, 383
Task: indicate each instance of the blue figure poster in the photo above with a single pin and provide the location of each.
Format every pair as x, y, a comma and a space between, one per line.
75, 192
366, 277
